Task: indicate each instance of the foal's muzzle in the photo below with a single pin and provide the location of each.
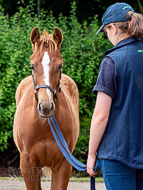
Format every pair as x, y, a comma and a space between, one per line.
46, 109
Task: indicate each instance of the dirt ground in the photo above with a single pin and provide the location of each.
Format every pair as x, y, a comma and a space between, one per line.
19, 185
14, 184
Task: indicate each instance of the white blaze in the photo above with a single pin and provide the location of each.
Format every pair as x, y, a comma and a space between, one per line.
45, 64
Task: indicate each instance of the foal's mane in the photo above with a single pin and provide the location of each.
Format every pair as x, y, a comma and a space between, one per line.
47, 41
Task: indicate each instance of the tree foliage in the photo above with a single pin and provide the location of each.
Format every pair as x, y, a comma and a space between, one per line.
86, 10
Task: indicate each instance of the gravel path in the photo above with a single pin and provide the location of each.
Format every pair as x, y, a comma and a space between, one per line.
19, 185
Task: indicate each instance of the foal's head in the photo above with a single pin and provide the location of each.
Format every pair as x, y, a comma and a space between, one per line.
46, 64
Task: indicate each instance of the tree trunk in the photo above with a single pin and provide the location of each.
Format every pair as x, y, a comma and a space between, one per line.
38, 8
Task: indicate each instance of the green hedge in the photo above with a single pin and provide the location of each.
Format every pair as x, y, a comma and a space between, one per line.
82, 51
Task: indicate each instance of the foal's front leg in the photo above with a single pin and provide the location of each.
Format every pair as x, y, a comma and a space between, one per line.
30, 172
61, 176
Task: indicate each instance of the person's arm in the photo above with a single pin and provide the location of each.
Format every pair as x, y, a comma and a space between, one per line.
98, 125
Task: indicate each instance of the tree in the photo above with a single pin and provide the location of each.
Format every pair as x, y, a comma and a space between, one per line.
86, 10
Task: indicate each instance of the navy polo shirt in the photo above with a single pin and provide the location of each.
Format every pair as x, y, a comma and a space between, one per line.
107, 78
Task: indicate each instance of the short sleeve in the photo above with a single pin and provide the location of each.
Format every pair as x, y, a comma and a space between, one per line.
107, 78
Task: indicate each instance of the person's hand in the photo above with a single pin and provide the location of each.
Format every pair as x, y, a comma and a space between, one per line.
90, 165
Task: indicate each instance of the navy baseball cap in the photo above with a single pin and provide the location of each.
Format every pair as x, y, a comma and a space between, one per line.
115, 13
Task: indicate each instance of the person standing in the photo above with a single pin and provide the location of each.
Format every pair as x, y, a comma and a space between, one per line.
116, 133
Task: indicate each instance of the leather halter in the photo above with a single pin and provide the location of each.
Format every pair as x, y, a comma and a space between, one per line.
55, 92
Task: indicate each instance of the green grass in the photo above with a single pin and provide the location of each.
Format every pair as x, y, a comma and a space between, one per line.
85, 179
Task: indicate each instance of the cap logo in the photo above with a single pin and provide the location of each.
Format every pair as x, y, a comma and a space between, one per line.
127, 7
140, 51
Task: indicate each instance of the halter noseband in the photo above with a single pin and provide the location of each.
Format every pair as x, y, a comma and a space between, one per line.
55, 92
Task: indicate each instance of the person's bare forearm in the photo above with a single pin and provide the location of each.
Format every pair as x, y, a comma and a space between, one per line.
98, 125
97, 129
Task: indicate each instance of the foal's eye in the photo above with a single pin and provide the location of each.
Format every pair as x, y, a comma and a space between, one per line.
32, 67
60, 66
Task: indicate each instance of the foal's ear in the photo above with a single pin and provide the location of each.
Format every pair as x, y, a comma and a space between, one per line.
58, 37
35, 35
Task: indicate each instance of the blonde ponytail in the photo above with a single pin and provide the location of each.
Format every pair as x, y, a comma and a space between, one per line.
136, 25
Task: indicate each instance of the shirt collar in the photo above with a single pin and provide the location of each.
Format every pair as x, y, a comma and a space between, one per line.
122, 43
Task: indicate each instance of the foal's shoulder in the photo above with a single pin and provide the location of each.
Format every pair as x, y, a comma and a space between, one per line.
21, 89
68, 83
70, 88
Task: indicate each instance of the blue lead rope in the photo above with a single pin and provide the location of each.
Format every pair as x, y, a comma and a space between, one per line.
65, 150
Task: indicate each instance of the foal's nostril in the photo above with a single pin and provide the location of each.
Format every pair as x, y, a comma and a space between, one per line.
39, 106
52, 106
